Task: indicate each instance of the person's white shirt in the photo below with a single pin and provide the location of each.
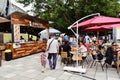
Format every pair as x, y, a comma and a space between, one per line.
87, 39
83, 50
94, 38
53, 46
22, 41
71, 39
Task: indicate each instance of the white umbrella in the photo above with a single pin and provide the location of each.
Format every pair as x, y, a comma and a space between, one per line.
51, 30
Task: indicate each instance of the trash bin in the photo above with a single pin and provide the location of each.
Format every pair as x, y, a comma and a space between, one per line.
8, 55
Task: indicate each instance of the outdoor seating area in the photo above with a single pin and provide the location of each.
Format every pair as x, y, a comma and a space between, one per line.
95, 57
59, 40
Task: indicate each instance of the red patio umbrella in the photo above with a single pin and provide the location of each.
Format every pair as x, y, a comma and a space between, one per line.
110, 26
101, 28
98, 20
96, 29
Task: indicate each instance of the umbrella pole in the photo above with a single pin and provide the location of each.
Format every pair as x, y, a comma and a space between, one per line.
78, 69
97, 35
77, 46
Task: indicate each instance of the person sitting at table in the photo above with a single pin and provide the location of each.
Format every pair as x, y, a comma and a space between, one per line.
83, 50
30, 38
67, 48
111, 54
22, 40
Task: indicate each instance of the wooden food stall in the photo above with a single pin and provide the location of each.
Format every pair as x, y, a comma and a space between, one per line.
1, 49
23, 49
17, 49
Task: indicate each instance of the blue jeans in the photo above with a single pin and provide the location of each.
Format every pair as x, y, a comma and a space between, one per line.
52, 58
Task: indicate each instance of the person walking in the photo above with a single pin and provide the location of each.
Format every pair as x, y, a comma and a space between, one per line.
43, 59
53, 49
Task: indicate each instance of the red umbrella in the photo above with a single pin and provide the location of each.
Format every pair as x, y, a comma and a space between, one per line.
98, 20
110, 26
96, 29
101, 28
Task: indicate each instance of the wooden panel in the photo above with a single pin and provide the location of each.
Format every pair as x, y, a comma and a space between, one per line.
27, 18
25, 49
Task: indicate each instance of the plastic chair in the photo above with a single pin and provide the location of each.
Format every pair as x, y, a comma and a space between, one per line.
64, 57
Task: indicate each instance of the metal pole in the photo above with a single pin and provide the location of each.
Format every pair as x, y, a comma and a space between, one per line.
77, 46
70, 27
97, 35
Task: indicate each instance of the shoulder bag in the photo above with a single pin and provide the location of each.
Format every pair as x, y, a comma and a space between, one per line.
50, 44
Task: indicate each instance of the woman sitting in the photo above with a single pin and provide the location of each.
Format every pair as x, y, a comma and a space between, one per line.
66, 47
111, 54
83, 50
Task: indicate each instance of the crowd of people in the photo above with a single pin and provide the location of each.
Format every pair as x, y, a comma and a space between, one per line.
87, 45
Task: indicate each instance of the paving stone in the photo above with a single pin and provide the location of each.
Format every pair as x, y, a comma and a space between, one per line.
29, 68
49, 78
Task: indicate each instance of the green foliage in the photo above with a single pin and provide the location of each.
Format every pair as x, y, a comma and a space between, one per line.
64, 12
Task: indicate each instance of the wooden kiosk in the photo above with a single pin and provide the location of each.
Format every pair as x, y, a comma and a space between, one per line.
29, 47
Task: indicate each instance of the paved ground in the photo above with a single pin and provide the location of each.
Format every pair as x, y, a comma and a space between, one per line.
29, 68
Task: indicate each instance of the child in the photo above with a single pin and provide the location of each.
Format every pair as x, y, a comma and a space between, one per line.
43, 58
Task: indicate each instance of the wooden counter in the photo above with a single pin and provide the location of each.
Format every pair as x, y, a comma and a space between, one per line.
1, 49
24, 48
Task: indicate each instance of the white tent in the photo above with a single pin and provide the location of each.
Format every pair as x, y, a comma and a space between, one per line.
51, 30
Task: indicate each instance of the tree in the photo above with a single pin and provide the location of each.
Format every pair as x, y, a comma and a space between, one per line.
64, 12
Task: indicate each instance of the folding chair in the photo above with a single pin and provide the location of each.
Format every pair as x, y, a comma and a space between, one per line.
96, 61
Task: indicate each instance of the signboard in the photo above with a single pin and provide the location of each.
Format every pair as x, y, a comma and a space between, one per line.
35, 24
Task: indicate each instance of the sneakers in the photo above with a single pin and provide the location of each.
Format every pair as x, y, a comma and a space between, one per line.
52, 67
